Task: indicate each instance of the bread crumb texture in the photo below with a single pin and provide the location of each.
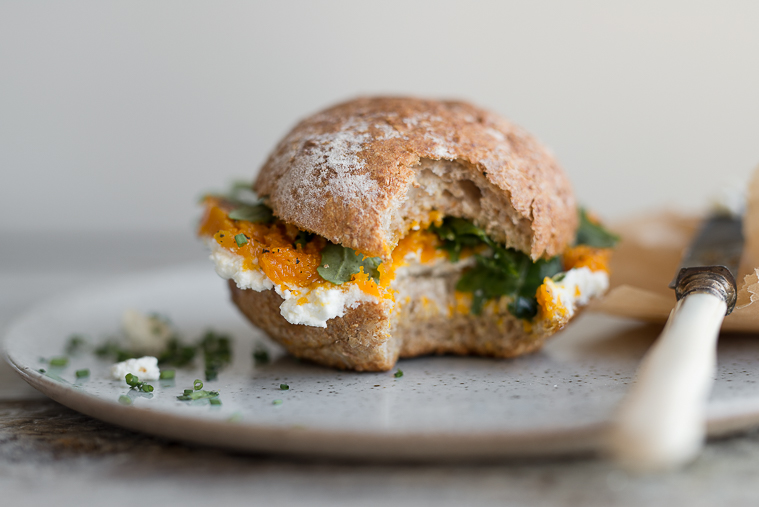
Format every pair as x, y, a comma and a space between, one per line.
362, 172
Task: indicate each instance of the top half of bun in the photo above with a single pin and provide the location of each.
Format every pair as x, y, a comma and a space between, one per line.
362, 173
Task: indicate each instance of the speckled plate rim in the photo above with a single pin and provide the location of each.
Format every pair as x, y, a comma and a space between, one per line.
724, 418
310, 442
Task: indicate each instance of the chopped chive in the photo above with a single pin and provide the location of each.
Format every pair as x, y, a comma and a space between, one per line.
197, 385
75, 344
125, 400
134, 382
198, 395
284, 387
260, 354
276, 402
398, 374
59, 361
214, 401
217, 353
42, 370
167, 374
241, 240
83, 373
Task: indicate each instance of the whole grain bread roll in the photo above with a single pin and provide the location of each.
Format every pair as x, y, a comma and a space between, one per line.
363, 174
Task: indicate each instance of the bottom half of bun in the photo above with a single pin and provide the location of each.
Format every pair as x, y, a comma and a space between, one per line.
429, 318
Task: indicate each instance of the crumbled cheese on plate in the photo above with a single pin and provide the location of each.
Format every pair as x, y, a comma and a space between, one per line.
144, 368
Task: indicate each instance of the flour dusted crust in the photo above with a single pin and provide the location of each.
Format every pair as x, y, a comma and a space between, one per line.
363, 172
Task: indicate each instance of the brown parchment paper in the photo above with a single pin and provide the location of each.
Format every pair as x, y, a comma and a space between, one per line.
646, 259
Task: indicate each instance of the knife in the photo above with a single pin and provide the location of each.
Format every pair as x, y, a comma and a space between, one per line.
661, 424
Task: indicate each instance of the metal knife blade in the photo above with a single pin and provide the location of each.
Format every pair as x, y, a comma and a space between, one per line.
710, 264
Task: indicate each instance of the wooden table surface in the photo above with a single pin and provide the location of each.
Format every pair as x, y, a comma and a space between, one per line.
52, 455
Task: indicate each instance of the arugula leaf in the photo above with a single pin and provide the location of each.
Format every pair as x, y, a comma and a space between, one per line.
241, 192
457, 233
506, 272
339, 263
257, 213
594, 234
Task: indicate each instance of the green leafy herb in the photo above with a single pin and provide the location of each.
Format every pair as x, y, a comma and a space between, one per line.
217, 353
60, 361
260, 354
177, 354
398, 374
457, 234
241, 240
216, 350
339, 263
112, 350
214, 401
276, 402
42, 370
303, 238
167, 374
257, 213
76, 344
240, 192
125, 400
284, 387
594, 234
134, 382
82, 373
197, 394
506, 272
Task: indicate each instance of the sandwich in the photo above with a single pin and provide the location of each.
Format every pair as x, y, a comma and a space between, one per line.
385, 228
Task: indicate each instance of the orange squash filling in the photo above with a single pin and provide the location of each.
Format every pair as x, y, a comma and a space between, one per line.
270, 247
583, 256
580, 256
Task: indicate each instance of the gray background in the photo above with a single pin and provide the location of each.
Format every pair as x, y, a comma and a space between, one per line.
117, 115
114, 117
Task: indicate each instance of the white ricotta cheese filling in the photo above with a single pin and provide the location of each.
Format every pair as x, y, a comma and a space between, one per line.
577, 288
323, 303
301, 305
144, 368
229, 266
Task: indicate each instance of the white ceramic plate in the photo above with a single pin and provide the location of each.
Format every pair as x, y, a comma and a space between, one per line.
557, 401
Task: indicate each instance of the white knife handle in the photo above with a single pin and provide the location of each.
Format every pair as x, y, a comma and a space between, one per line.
661, 423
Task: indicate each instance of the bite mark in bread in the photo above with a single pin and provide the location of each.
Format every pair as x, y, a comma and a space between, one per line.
346, 173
